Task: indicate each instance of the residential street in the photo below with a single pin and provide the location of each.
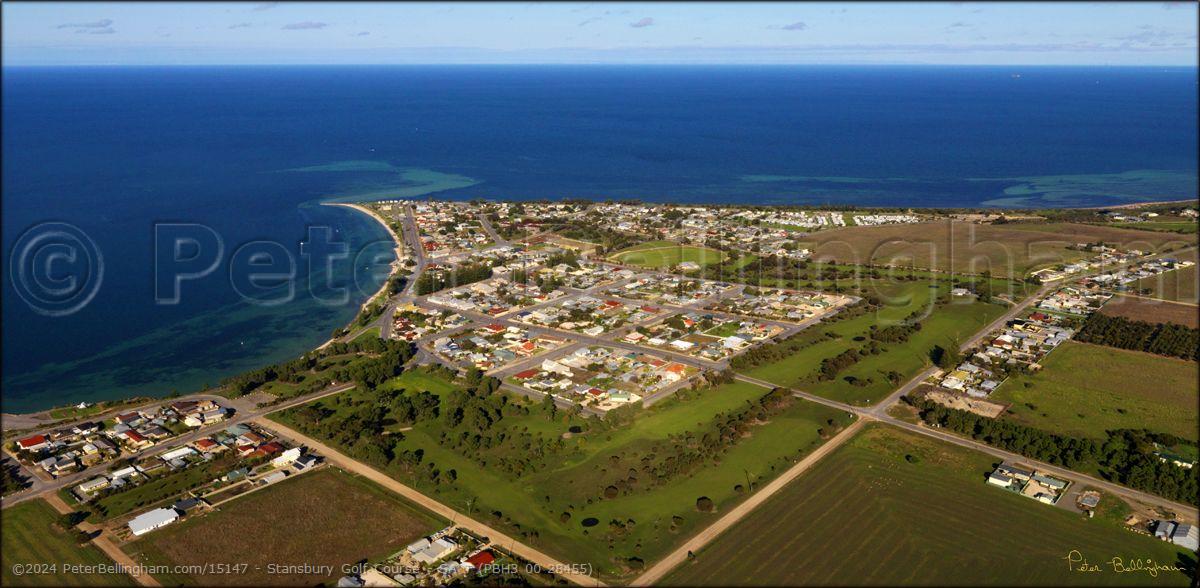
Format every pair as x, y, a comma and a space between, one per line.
247, 411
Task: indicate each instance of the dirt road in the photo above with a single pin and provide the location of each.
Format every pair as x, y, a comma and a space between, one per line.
106, 545
705, 536
337, 458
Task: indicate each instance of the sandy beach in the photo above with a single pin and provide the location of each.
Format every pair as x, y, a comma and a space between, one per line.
396, 240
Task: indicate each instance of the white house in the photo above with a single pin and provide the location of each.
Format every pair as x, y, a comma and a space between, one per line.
149, 521
286, 458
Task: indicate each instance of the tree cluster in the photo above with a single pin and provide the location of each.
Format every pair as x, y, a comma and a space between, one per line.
1127, 455
1168, 339
430, 282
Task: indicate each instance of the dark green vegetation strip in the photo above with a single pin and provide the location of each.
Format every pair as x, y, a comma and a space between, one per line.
617, 493
893, 508
1167, 339
1125, 455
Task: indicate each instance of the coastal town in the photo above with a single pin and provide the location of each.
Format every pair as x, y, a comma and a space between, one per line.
515, 297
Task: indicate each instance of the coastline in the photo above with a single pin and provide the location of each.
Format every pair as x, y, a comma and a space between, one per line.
1138, 204
397, 250
40, 418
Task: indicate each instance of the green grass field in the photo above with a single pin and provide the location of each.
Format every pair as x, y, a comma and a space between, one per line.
1177, 226
1180, 285
574, 478
1010, 250
371, 333
1086, 389
658, 254
865, 515
30, 536
954, 321
325, 517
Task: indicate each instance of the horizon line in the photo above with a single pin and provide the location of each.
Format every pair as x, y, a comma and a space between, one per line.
1194, 66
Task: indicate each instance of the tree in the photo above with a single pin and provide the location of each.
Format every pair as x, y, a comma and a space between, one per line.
705, 504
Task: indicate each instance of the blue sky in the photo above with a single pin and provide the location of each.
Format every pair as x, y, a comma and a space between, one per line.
1076, 33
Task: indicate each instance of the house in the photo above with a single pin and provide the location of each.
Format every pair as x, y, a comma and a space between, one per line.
235, 475
267, 449
998, 479
436, 550
250, 438
286, 458
481, 559
127, 472
305, 461
186, 505
34, 443
1186, 536
350, 582
1163, 529
128, 417
207, 445
149, 521
1014, 472
272, 477
178, 453
237, 430
136, 439
1049, 482
97, 483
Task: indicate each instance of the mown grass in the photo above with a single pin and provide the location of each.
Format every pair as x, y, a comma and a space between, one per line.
1085, 390
370, 333
573, 480
867, 515
946, 325
660, 254
30, 536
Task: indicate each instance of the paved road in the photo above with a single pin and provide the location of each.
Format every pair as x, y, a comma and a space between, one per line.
41, 486
882, 406
491, 231
335, 457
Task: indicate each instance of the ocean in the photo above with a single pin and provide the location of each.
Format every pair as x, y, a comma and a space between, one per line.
249, 152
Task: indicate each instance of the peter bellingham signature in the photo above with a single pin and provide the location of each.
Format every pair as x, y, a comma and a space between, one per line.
1076, 562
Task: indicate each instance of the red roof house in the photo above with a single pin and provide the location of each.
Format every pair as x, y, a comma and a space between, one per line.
34, 442
481, 559
525, 375
206, 445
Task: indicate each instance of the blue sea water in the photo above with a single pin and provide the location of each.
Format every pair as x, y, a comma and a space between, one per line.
250, 151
